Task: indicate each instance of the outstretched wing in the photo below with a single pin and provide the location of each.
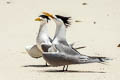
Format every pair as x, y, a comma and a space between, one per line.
33, 51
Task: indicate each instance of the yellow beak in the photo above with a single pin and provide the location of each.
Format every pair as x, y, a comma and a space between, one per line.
48, 14
38, 19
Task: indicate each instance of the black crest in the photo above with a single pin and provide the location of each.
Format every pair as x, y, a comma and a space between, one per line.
65, 20
44, 16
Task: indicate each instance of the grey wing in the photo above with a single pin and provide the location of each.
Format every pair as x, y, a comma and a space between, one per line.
67, 49
71, 55
70, 46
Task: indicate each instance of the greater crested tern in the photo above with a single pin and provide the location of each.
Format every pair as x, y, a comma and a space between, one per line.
35, 51
43, 37
60, 35
63, 53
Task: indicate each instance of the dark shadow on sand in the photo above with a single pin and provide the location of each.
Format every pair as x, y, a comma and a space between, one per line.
74, 71
36, 66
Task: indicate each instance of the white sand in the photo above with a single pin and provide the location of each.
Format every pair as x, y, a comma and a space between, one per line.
18, 29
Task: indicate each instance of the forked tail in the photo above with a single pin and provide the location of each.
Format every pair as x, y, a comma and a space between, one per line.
98, 59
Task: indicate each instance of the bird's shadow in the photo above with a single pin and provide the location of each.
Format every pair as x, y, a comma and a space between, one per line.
74, 71
59, 71
36, 66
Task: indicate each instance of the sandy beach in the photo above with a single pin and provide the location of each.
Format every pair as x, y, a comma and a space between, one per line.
95, 24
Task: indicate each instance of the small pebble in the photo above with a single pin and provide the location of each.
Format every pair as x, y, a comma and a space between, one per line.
108, 15
78, 21
8, 2
118, 45
84, 3
94, 22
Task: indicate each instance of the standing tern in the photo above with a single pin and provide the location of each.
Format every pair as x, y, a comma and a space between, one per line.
43, 37
35, 51
63, 54
60, 35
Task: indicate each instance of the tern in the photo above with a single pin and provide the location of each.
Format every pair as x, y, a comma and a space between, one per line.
35, 51
61, 54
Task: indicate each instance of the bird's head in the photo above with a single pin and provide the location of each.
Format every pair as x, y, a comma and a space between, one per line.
60, 18
66, 20
42, 18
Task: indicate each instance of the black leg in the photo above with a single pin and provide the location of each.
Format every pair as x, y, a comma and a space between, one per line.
63, 68
66, 68
46, 64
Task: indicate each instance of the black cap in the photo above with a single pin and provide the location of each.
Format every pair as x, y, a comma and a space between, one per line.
44, 16
64, 19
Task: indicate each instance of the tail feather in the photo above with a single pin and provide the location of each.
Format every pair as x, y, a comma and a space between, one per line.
99, 59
